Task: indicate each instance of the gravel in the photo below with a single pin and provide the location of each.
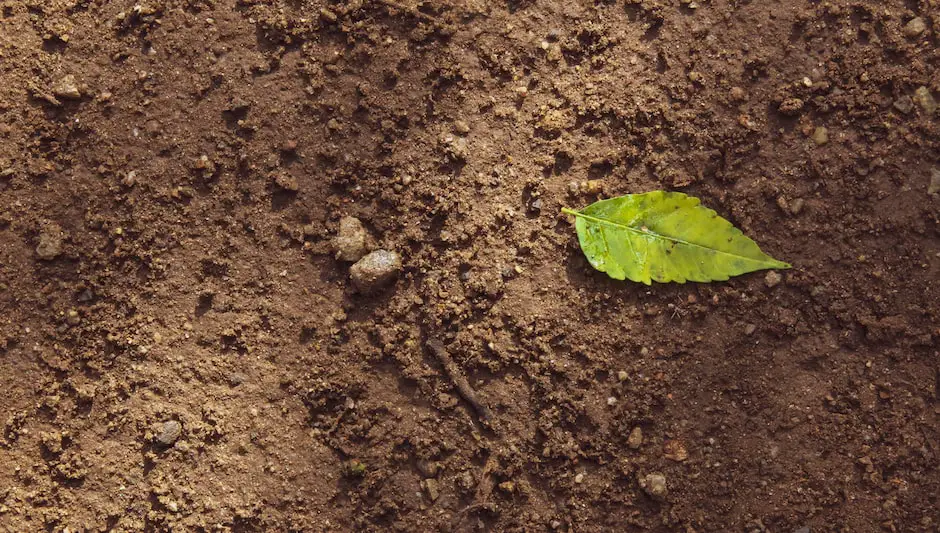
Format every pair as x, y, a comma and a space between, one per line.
350, 243
925, 100
635, 440
654, 485
375, 270
67, 87
914, 28
772, 279
51, 238
821, 136
169, 433
934, 186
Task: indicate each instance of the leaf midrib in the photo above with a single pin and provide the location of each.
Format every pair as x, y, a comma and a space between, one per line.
658, 235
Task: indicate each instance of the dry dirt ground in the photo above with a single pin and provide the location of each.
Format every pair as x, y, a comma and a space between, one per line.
181, 351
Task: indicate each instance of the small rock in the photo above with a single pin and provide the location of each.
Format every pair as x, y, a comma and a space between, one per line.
796, 206
750, 329
914, 28
375, 270
350, 242
611, 401
286, 182
674, 450
622, 375
791, 107
821, 135
461, 127
169, 433
51, 238
772, 279
555, 524
934, 186
904, 104
431, 489
579, 478
635, 440
738, 94
67, 87
507, 486
428, 468
654, 485
925, 100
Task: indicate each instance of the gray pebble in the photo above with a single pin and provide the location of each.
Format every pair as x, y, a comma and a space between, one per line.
934, 186
925, 100
431, 489
904, 104
350, 243
375, 270
169, 433
772, 279
914, 28
67, 87
796, 206
654, 485
51, 238
635, 440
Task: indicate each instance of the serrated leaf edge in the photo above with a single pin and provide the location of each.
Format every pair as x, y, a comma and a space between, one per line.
573, 212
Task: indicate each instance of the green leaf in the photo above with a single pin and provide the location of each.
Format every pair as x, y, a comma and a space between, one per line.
665, 236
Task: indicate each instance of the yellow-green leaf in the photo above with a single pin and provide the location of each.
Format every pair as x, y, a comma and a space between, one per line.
665, 236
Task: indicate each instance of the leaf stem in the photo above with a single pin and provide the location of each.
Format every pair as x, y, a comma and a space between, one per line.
569, 211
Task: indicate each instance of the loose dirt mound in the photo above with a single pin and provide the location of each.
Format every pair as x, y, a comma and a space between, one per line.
181, 350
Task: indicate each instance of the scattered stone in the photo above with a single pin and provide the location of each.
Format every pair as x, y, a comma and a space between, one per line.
51, 238
507, 486
925, 100
738, 94
622, 375
169, 433
286, 182
904, 104
461, 127
821, 135
579, 478
351, 240
375, 270
772, 279
914, 28
796, 206
429, 468
635, 440
674, 450
750, 329
611, 401
67, 87
555, 524
934, 186
555, 121
431, 489
791, 107
654, 485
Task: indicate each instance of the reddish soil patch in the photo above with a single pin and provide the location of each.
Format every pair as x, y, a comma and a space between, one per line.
180, 350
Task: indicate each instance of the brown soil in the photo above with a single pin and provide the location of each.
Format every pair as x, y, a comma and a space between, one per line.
166, 218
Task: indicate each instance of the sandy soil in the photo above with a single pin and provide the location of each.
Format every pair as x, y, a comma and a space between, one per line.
180, 350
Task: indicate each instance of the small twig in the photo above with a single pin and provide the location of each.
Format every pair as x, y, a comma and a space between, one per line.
440, 352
